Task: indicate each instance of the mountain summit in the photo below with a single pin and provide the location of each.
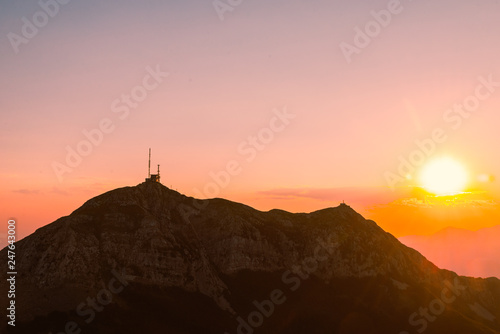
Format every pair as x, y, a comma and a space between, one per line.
147, 259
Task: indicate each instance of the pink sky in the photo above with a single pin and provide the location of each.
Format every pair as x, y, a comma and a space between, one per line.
351, 121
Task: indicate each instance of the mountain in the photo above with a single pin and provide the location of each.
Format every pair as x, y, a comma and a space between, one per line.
470, 253
147, 259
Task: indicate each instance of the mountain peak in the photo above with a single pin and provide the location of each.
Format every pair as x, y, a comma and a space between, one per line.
217, 256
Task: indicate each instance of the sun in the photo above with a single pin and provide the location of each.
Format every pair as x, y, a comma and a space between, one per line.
444, 176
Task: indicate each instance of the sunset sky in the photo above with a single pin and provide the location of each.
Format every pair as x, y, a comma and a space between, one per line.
268, 90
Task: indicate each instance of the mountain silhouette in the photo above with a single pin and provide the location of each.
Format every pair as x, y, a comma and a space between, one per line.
147, 259
469, 253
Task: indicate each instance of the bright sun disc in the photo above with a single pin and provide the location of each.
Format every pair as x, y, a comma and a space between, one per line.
444, 176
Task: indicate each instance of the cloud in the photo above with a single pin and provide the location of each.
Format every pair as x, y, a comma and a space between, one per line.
58, 191
363, 195
27, 191
469, 200
54, 190
426, 214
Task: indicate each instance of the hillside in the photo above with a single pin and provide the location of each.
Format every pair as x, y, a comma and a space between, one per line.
147, 259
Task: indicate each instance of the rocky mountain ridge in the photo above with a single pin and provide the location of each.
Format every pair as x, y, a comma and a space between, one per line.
209, 266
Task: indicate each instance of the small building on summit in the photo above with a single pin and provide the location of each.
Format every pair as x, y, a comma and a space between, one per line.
152, 177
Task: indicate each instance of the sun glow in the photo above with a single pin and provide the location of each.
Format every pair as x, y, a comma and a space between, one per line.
444, 176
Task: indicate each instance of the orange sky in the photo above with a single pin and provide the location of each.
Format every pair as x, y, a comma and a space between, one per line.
207, 93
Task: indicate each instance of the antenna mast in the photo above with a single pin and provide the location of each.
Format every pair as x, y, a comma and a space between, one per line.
149, 164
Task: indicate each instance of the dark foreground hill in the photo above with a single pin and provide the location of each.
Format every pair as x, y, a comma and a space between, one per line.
147, 259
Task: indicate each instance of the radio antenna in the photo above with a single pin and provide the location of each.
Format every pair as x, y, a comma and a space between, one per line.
149, 164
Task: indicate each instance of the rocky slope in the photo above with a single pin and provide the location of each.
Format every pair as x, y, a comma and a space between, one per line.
148, 259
